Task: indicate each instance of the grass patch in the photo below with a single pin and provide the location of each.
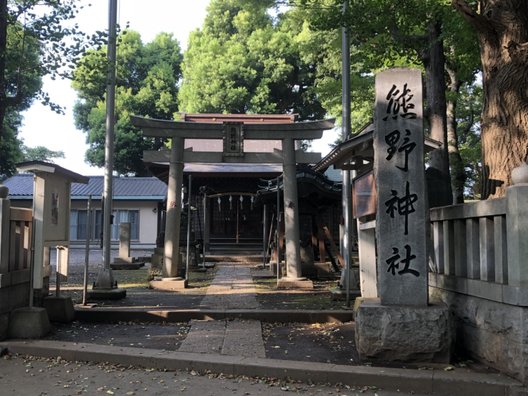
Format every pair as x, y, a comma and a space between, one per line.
201, 279
128, 279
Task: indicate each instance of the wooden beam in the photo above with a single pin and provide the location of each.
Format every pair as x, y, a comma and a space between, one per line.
207, 157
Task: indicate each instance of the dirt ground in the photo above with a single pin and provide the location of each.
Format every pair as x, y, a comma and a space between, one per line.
329, 342
319, 342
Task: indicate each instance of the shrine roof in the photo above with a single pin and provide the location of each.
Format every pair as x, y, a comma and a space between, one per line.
360, 147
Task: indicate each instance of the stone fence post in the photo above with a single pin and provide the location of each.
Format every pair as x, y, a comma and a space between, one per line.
517, 227
5, 206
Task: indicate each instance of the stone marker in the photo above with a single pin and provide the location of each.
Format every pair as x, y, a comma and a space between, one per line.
400, 182
124, 241
400, 325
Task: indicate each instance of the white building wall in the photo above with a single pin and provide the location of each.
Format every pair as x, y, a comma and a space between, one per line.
148, 217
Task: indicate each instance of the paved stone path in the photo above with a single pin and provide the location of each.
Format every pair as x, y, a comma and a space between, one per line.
232, 288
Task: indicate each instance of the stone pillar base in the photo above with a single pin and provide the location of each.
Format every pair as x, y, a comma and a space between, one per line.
393, 333
28, 323
156, 260
295, 283
105, 279
169, 284
60, 309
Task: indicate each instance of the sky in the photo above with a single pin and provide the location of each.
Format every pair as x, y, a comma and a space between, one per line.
43, 127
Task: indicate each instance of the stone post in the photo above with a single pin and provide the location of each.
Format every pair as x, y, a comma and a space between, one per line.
291, 211
517, 228
171, 260
400, 182
400, 325
206, 223
5, 206
124, 240
367, 259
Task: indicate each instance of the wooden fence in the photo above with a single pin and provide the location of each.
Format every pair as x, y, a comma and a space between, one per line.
15, 244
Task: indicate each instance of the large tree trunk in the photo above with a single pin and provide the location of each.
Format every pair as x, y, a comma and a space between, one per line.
458, 175
502, 27
438, 179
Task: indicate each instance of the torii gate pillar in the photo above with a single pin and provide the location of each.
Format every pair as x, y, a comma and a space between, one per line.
291, 211
171, 254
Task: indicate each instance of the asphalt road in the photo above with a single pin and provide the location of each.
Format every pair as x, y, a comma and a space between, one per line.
56, 377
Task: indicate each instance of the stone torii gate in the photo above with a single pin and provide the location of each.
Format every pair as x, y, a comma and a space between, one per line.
233, 134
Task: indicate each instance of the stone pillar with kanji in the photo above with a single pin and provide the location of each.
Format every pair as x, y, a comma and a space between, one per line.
401, 325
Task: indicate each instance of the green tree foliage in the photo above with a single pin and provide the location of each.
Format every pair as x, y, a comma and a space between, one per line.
36, 39
427, 34
247, 60
468, 128
146, 85
40, 153
10, 145
21, 82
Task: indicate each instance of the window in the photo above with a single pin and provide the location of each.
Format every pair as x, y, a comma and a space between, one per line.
79, 224
126, 216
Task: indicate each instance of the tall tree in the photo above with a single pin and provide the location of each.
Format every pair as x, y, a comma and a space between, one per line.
244, 60
413, 34
146, 84
462, 68
36, 39
502, 29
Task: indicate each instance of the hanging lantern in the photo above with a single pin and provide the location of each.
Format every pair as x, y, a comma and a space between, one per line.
241, 202
230, 202
219, 200
252, 201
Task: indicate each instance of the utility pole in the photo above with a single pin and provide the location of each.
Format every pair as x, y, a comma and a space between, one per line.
346, 127
105, 280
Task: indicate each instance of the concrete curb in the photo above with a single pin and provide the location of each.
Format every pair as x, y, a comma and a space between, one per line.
112, 315
431, 382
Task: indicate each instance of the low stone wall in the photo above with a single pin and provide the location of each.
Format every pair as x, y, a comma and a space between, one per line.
490, 332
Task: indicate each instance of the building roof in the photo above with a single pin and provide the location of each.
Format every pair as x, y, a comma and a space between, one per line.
360, 147
124, 188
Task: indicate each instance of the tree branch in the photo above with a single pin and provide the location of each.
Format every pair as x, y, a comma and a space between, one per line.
480, 23
400, 37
